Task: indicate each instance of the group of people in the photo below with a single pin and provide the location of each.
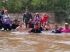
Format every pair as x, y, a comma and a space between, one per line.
30, 23
6, 24
39, 23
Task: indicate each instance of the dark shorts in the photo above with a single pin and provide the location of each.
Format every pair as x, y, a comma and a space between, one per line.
6, 26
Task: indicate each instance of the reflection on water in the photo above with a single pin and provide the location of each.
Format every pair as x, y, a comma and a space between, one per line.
9, 42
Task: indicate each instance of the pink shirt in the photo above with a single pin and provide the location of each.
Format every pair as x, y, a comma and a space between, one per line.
66, 30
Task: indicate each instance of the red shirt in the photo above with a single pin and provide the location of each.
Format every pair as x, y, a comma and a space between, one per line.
44, 19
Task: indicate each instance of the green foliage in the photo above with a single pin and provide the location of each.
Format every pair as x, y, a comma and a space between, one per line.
61, 8
36, 5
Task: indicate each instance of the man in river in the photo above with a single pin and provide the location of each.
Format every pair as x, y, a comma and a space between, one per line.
26, 18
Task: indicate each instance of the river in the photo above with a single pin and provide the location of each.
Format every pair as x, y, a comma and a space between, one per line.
24, 42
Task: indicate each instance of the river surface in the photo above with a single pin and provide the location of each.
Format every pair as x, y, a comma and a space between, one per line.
24, 42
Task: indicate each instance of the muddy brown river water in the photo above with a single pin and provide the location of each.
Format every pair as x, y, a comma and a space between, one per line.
11, 42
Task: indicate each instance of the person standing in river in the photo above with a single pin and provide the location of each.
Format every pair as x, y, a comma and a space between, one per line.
26, 18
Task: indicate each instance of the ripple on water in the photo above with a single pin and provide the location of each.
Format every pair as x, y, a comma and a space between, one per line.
66, 51
14, 42
19, 33
63, 42
51, 50
3, 43
31, 42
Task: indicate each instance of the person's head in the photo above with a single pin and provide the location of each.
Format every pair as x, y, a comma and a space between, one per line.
66, 25
15, 20
56, 26
27, 12
45, 14
37, 14
2, 12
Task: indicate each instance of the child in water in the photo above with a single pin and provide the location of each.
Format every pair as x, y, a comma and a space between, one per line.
37, 29
21, 27
15, 24
66, 29
57, 29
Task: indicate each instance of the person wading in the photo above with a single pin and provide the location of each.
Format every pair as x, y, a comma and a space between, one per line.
26, 18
